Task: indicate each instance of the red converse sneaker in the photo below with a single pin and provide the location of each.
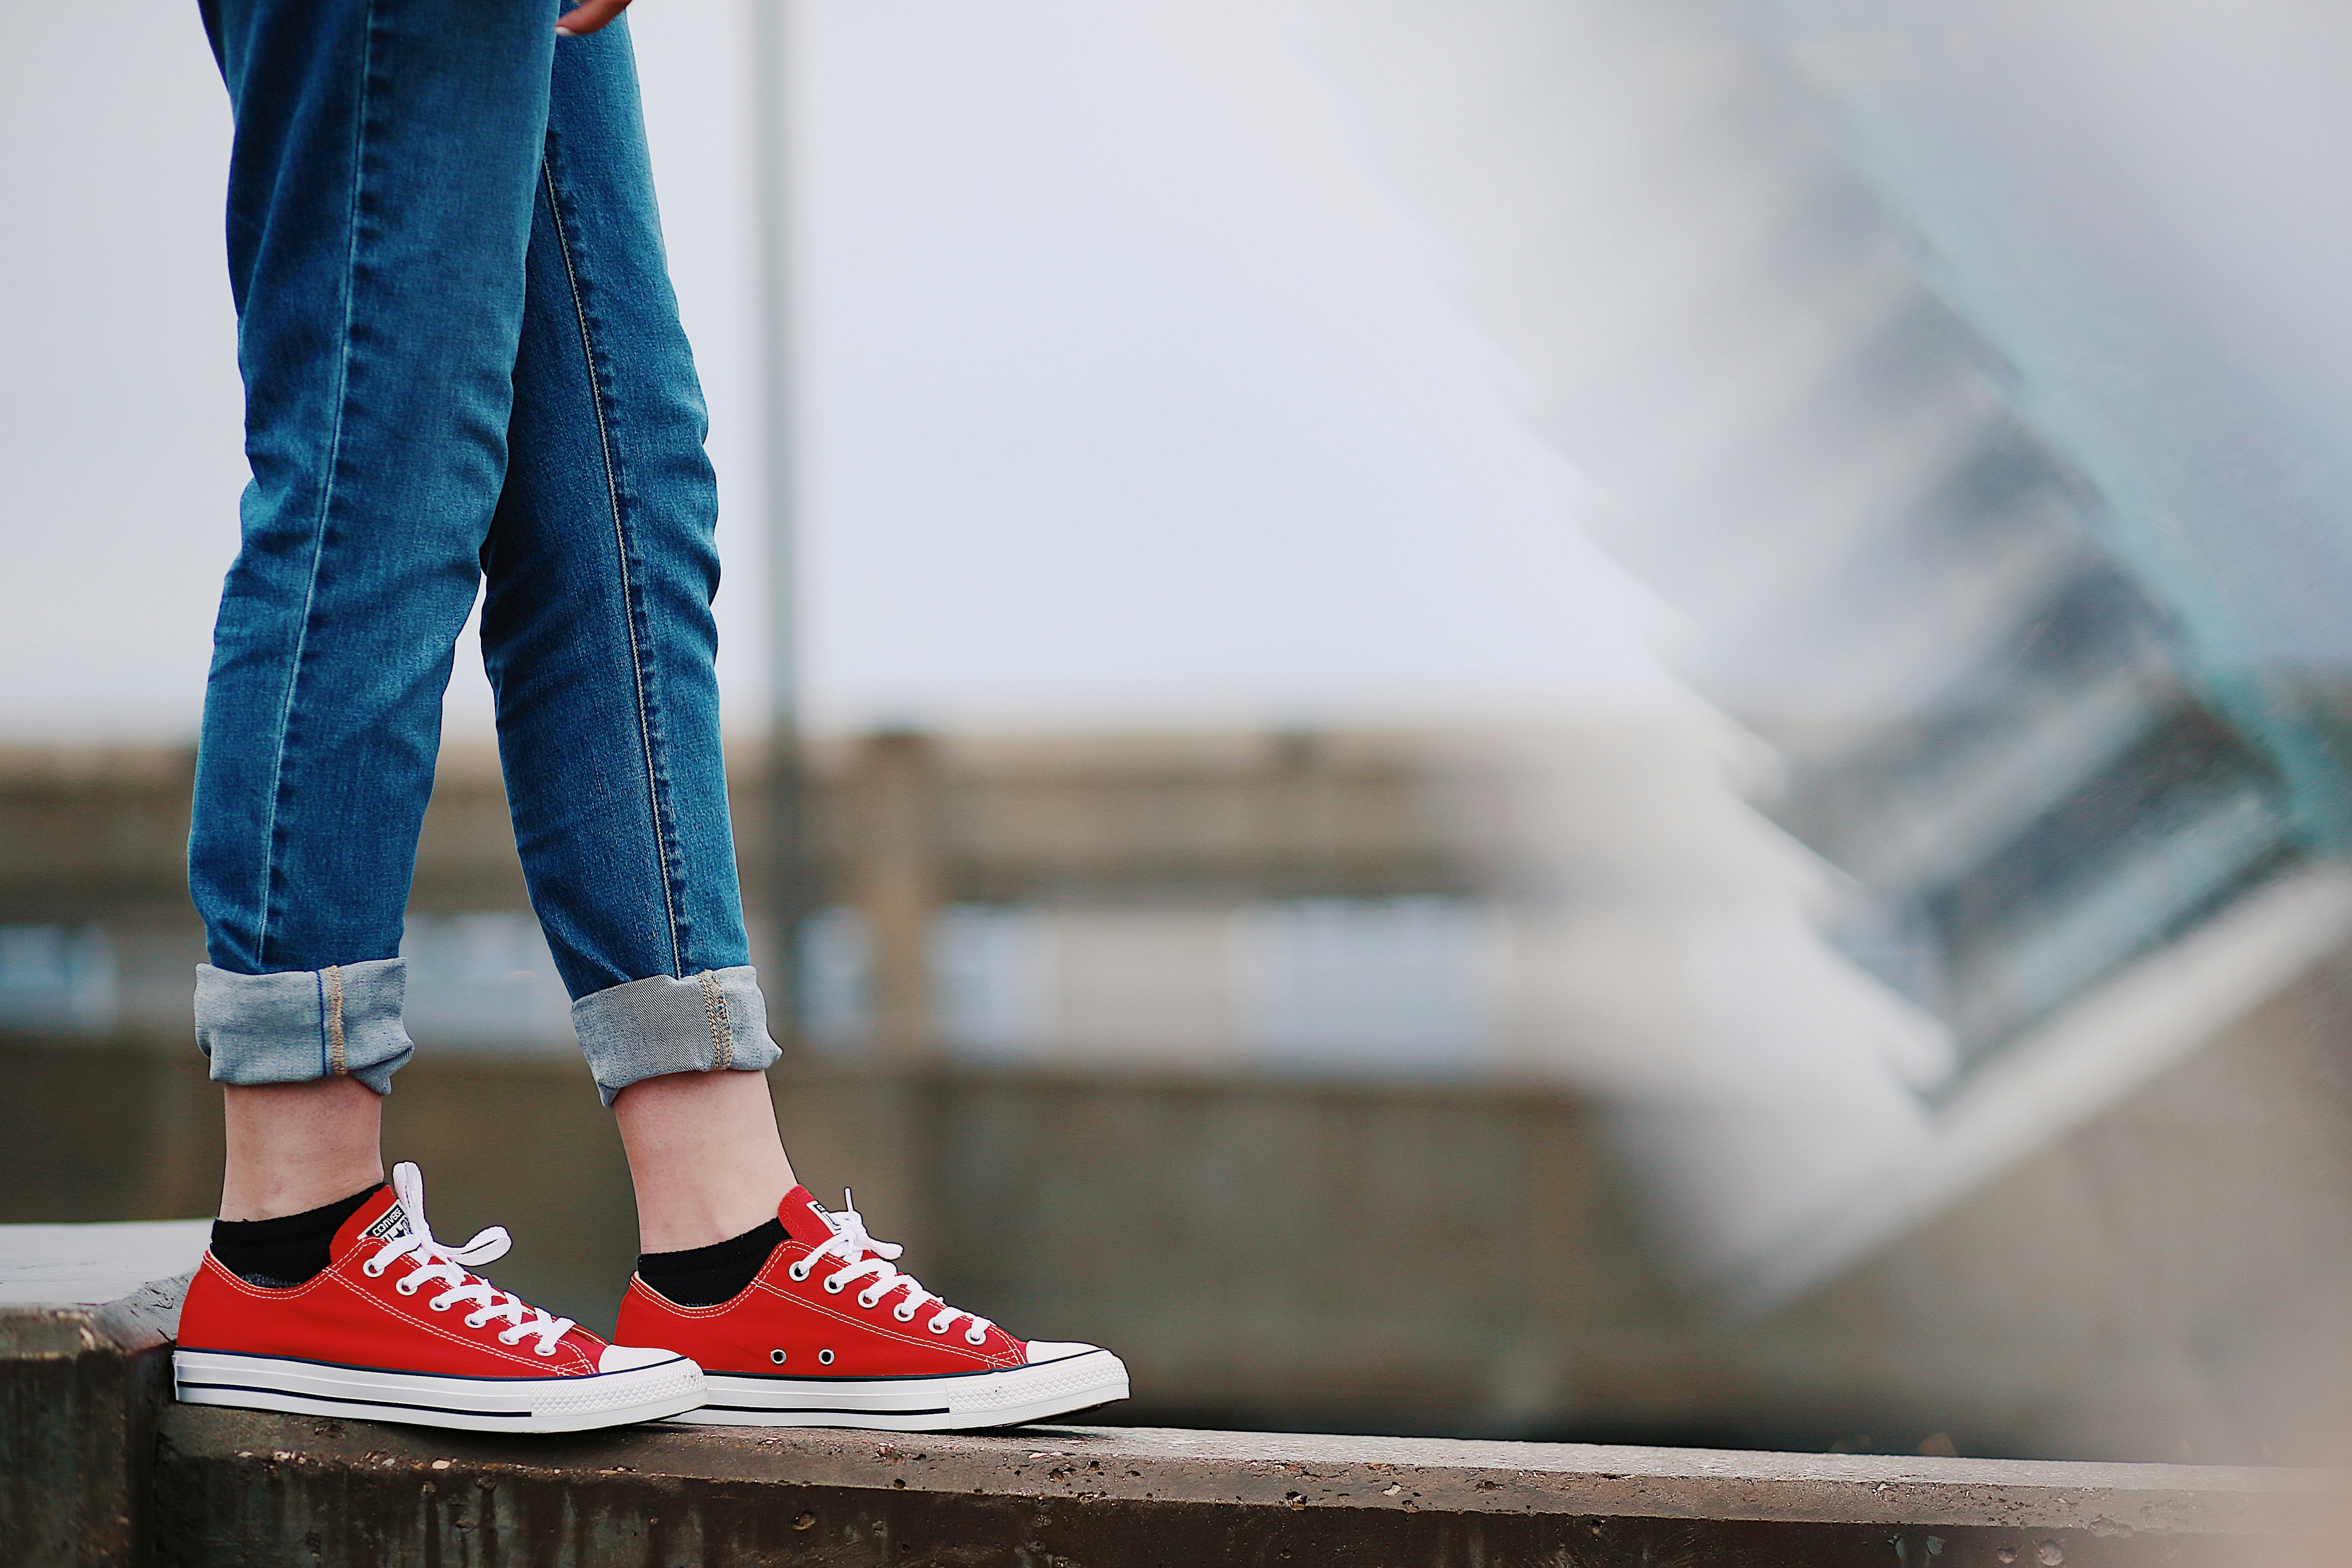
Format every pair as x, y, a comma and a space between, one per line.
830, 1334
375, 1337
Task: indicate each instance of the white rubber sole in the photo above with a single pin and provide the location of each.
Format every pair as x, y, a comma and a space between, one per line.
953, 1404
425, 1399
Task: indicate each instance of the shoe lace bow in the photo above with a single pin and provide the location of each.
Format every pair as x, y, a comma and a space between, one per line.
863, 1257
434, 1262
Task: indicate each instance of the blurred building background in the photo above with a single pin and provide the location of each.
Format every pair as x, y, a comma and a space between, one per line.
1557, 717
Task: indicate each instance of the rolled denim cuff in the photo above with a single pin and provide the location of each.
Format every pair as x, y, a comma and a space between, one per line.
647, 1029
298, 1026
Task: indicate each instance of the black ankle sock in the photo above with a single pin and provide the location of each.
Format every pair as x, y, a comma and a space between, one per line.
289, 1250
706, 1276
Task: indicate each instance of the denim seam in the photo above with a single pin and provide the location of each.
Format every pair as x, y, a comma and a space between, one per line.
269, 868
621, 550
714, 1007
332, 983
304, 1025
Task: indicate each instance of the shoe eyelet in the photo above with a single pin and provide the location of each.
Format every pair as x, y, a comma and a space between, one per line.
866, 1302
975, 1340
937, 1328
825, 1356
405, 1288
370, 1270
797, 1272
776, 1356
904, 1314
437, 1306
542, 1350
833, 1284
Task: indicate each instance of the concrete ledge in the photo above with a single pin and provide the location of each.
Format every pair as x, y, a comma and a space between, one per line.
98, 1468
244, 1489
80, 1383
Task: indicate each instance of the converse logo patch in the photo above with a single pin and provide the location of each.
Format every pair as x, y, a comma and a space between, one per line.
392, 1223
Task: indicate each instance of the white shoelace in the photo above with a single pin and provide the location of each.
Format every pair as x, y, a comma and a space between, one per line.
435, 1263
863, 1257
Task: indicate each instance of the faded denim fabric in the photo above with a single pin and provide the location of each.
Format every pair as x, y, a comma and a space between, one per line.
303, 1024
707, 1021
462, 361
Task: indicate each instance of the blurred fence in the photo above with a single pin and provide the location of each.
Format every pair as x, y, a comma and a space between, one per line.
904, 828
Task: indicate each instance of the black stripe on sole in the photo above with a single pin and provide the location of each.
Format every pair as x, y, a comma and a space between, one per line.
453, 1377
900, 1377
347, 1399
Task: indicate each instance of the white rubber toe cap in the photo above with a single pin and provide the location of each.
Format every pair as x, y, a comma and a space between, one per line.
1042, 1351
628, 1358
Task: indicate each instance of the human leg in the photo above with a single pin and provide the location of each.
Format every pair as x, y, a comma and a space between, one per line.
379, 211
296, 1146
379, 214
597, 631
705, 1156
598, 636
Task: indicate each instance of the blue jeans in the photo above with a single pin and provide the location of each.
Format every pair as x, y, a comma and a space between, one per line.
462, 363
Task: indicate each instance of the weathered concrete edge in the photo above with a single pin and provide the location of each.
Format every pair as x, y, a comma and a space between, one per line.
84, 1384
1288, 1471
145, 1319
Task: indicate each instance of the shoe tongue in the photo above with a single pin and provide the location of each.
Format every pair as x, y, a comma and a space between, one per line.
805, 1219
380, 1218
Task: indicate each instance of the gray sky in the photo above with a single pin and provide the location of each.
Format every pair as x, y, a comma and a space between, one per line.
1127, 396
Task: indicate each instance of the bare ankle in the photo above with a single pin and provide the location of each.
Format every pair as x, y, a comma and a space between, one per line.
295, 1146
705, 1156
